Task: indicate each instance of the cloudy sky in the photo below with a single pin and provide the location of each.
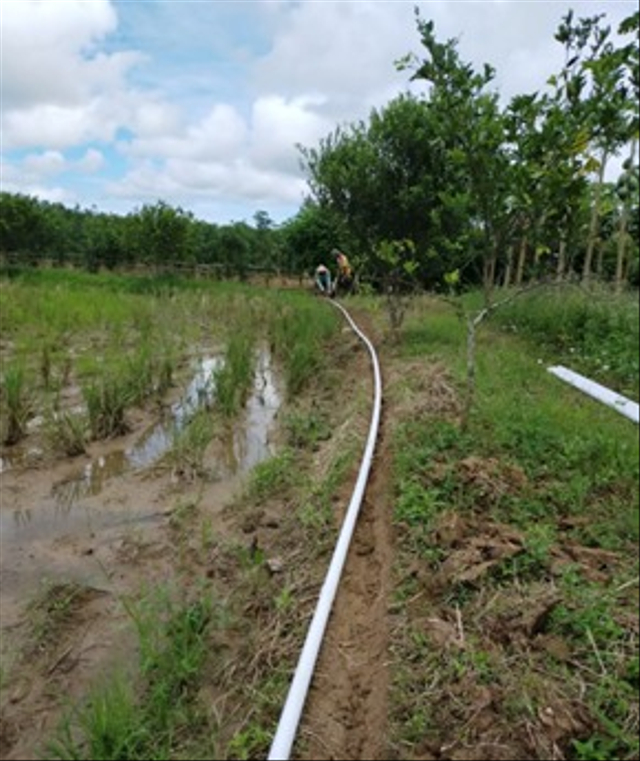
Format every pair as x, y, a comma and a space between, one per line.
200, 103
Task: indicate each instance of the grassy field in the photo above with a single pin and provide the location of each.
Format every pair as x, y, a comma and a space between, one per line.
513, 613
517, 568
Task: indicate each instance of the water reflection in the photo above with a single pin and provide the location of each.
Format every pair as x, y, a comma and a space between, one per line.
149, 448
251, 440
248, 445
159, 439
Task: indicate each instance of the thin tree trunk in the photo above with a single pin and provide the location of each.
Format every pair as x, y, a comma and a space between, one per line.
506, 281
595, 220
539, 226
489, 274
472, 324
599, 248
562, 257
522, 256
622, 229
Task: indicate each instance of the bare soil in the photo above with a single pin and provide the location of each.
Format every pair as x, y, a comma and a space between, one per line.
347, 708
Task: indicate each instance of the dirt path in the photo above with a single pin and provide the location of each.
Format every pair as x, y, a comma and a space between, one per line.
346, 710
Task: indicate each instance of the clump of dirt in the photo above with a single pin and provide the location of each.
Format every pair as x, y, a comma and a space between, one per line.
55, 613
477, 658
490, 478
420, 388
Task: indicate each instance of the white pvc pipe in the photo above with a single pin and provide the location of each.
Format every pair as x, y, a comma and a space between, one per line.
618, 402
290, 716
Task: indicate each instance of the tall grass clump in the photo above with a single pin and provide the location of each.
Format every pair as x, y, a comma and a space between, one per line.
272, 476
233, 379
187, 453
148, 372
67, 432
153, 715
595, 330
107, 399
17, 403
300, 331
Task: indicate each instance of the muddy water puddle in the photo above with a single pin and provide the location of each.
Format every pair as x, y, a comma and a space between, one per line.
74, 512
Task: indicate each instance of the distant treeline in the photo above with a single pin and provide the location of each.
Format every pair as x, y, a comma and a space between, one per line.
158, 236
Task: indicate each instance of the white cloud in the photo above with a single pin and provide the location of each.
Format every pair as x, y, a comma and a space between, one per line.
152, 117
17, 180
52, 126
49, 51
230, 181
47, 162
58, 88
279, 124
220, 134
343, 51
171, 100
91, 162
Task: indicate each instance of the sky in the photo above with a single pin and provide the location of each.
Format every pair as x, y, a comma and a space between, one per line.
114, 104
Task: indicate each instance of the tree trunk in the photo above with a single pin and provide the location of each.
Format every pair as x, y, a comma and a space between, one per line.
522, 256
595, 220
471, 372
506, 281
562, 257
599, 248
488, 276
622, 229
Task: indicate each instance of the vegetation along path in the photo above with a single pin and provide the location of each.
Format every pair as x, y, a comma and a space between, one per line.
173, 487
346, 713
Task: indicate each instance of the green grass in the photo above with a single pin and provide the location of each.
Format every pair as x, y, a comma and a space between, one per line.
305, 430
557, 468
272, 477
17, 402
212, 673
592, 330
145, 717
233, 379
299, 329
187, 455
121, 339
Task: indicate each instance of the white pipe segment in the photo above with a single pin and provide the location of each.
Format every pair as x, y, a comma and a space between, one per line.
620, 403
290, 716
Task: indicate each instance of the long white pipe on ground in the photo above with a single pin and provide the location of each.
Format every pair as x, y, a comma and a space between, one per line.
620, 403
290, 716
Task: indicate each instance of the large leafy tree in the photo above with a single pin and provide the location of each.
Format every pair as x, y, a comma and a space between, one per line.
385, 180
468, 122
24, 225
628, 182
159, 234
309, 237
595, 86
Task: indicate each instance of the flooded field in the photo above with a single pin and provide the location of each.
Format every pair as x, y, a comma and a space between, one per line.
56, 519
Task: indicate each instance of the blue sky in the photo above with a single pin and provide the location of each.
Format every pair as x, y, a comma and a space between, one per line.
114, 104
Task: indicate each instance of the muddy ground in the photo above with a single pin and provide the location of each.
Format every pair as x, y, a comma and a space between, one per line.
82, 535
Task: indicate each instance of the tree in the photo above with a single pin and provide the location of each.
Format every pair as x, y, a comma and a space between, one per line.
308, 237
628, 183
23, 224
594, 86
468, 120
159, 234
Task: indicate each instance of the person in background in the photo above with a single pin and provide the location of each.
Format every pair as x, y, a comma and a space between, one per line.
344, 275
323, 280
